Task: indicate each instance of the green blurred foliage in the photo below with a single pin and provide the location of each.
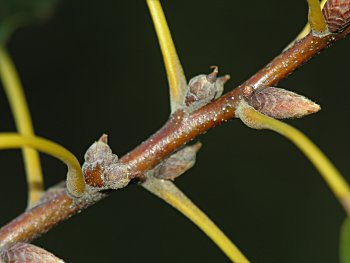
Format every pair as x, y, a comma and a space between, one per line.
16, 13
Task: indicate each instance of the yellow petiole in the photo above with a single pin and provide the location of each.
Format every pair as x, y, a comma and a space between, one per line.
316, 19
75, 178
168, 191
306, 30
19, 107
176, 78
329, 172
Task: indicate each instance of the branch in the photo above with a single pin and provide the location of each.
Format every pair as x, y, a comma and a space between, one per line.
181, 128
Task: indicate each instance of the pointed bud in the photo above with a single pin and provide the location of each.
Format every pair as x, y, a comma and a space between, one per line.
281, 104
101, 168
178, 163
337, 14
203, 89
24, 252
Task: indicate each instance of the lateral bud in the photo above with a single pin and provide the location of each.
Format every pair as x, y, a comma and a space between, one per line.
101, 168
24, 252
337, 14
178, 163
203, 89
280, 103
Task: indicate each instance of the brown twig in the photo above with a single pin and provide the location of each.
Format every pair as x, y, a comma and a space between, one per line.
180, 129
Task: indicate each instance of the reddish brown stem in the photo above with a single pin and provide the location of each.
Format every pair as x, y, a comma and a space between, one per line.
179, 130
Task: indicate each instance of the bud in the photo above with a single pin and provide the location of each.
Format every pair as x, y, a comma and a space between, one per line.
337, 14
24, 252
101, 168
281, 104
203, 89
178, 163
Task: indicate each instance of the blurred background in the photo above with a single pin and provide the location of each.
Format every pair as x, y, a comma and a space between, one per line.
95, 67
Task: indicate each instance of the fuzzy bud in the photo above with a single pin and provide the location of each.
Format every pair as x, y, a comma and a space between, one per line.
203, 89
337, 14
24, 252
281, 104
101, 168
178, 163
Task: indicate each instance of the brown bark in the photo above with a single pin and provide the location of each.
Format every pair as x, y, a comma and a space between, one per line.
179, 130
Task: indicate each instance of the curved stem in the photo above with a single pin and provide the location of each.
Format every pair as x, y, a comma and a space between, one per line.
167, 191
75, 178
328, 171
20, 110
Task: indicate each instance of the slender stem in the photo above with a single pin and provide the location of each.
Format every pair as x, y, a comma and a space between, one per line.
20, 110
176, 78
167, 191
328, 171
75, 178
306, 30
316, 18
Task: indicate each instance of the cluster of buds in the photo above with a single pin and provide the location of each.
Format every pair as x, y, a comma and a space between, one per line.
203, 89
101, 168
103, 171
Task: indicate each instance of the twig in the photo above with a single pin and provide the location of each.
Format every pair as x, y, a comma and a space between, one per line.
180, 129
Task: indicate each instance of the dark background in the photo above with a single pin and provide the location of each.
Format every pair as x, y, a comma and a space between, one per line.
96, 67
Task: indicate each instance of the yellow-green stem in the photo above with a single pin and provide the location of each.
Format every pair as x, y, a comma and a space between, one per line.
20, 110
176, 78
316, 19
329, 172
75, 178
167, 191
306, 30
